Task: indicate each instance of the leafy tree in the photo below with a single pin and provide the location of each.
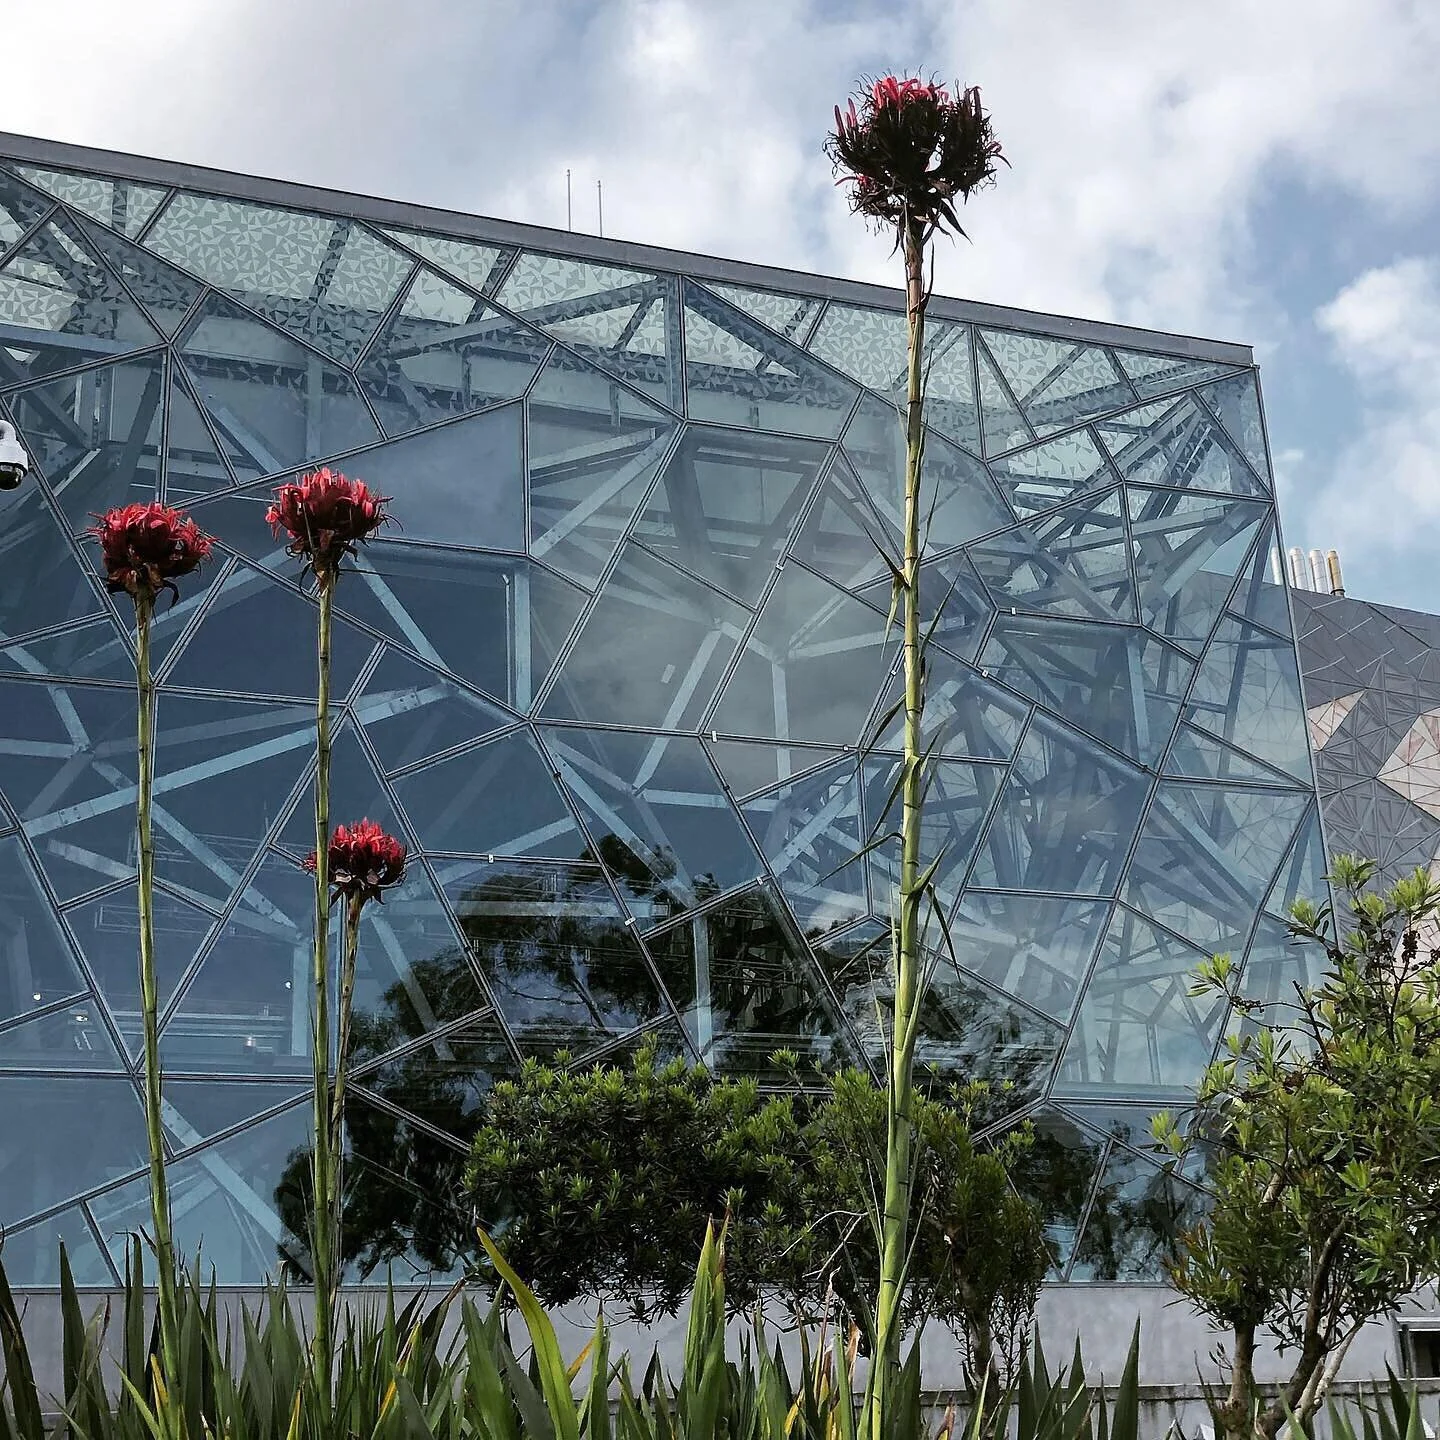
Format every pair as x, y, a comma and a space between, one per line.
602, 1182
1323, 1128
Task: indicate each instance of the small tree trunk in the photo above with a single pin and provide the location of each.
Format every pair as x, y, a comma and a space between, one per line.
1234, 1416
900, 1121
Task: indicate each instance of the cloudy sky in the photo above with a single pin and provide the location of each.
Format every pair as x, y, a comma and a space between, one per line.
1256, 170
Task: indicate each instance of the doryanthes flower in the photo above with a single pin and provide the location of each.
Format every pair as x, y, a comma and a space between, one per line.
146, 548
363, 862
325, 515
908, 149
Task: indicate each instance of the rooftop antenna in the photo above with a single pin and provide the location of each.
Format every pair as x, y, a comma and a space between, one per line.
569, 217
600, 207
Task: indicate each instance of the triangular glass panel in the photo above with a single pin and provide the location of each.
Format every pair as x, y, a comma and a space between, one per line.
556, 951
1120, 684
325, 278
1260, 596
1247, 691
1057, 1173
357, 792
111, 454
1206, 857
246, 1010
445, 1081
872, 346
746, 988
124, 205
1275, 964
657, 816
69, 774
32, 1257
622, 320
1137, 1216
1236, 400
276, 403
843, 536
1199, 755
650, 651
434, 713
41, 968
1037, 947
1058, 383
810, 832
593, 451
194, 465
498, 798
958, 498
445, 353
239, 1202
472, 263
1069, 561
43, 582
64, 306
108, 931
1303, 875
74, 1038
167, 295
1003, 425
495, 621
1050, 474
964, 712
44, 1114
1065, 819
789, 316
797, 676
959, 795
197, 1109
235, 646
750, 765
727, 503
1159, 374
1178, 443
224, 770
1188, 550
740, 373
457, 484
1138, 1025
20, 208
92, 650
955, 607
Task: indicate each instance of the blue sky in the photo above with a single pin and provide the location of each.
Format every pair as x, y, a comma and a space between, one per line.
1257, 170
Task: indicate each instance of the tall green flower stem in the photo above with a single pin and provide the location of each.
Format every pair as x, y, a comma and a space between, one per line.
354, 906
149, 994
324, 1208
906, 949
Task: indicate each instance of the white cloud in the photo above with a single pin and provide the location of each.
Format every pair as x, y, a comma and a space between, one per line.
1384, 490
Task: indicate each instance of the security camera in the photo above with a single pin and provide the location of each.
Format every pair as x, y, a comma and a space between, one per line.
14, 462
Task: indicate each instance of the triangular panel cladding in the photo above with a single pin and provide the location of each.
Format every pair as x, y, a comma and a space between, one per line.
474, 264
625, 321
167, 294
871, 347
445, 352
63, 307
1236, 400
1059, 383
746, 987
325, 279
1159, 374
740, 373
124, 205
1178, 442
276, 403
593, 451
20, 207
789, 316
1050, 474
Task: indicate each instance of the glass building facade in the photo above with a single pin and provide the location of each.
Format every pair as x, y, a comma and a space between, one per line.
618, 678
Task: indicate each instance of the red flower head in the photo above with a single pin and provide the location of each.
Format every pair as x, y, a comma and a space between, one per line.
326, 514
146, 548
363, 861
909, 149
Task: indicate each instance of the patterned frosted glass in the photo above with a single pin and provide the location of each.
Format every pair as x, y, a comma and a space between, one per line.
1058, 383
471, 263
124, 205
1158, 374
1049, 474
788, 315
